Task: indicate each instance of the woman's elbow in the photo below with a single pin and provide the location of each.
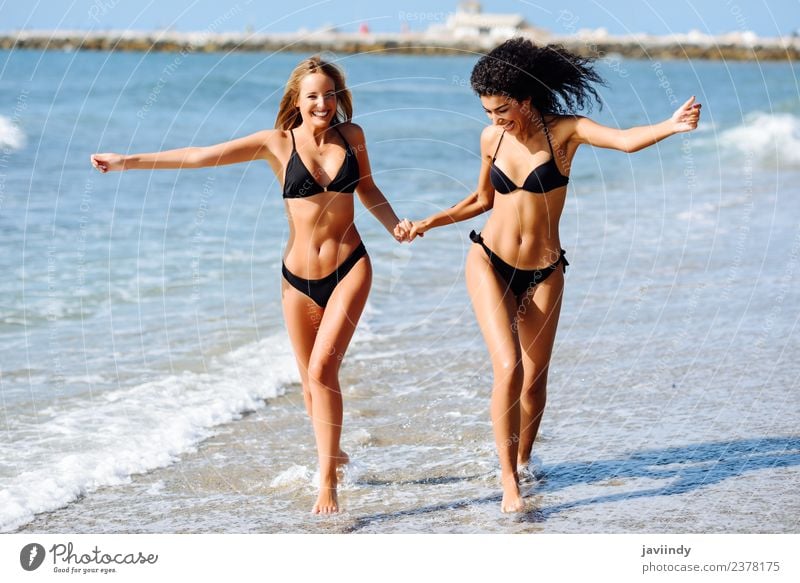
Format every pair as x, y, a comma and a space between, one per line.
485, 201
629, 143
203, 157
633, 148
371, 198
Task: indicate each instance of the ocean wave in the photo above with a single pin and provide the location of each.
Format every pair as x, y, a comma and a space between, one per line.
81, 445
292, 478
11, 136
765, 137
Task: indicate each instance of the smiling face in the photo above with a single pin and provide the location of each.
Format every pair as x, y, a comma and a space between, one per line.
316, 100
510, 114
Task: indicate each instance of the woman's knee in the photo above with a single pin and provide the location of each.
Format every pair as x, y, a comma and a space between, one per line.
323, 371
506, 361
508, 373
535, 380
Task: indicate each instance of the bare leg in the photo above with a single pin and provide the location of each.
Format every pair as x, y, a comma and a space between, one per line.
536, 323
333, 337
303, 318
495, 311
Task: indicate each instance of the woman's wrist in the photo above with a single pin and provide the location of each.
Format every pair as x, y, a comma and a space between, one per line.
671, 127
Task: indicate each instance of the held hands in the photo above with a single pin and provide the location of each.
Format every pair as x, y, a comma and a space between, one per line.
108, 162
686, 117
407, 231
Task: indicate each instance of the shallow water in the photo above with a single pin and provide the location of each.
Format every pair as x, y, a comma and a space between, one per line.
146, 379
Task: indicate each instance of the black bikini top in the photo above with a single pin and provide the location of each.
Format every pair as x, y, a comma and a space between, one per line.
542, 179
299, 183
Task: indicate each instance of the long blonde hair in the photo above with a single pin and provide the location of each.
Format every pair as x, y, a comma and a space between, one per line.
288, 113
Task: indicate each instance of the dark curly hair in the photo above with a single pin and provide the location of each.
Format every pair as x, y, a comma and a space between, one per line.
556, 80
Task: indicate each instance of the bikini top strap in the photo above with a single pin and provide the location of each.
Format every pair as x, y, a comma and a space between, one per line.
294, 147
346, 143
547, 135
498, 145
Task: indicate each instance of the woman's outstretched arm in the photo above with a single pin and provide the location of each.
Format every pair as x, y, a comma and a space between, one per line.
586, 131
479, 202
246, 149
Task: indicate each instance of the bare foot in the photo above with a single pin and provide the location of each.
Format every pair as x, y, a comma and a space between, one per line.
342, 459
512, 500
522, 463
327, 502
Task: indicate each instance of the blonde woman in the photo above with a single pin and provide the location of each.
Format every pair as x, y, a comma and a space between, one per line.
320, 157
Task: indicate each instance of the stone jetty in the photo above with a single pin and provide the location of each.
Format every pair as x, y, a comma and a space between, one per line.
736, 46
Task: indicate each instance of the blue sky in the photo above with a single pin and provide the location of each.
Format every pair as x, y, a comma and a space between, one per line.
765, 17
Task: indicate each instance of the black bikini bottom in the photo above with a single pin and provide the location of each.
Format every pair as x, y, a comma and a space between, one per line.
320, 290
519, 280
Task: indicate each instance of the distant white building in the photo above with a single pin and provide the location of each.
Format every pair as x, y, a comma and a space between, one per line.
468, 21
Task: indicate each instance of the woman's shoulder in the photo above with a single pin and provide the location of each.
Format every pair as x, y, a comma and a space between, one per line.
556, 119
276, 139
352, 132
273, 135
490, 134
562, 127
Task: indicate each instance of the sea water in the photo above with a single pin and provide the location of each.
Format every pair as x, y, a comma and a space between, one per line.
147, 382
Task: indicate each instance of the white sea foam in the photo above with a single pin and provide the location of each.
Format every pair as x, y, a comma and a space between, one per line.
292, 478
360, 437
80, 445
11, 136
766, 136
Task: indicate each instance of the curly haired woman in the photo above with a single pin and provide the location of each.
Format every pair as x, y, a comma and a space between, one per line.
515, 270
